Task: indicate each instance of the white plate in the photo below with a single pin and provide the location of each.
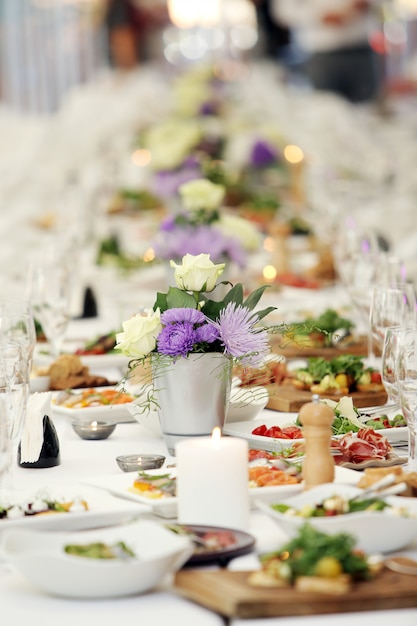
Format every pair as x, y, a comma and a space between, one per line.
103, 511
42, 560
113, 414
94, 362
244, 430
119, 485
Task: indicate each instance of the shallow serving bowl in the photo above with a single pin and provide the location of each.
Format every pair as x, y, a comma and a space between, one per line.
40, 558
246, 403
375, 531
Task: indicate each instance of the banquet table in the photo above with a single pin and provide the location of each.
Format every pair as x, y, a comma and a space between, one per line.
39, 160
83, 461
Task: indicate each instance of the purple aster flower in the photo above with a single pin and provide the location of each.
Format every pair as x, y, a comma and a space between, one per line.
263, 153
177, 339
210, 107
206, 333
206, 239
166, 182
168, 224
191, 316
239, 335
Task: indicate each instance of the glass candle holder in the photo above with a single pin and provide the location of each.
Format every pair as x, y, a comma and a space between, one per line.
93, 429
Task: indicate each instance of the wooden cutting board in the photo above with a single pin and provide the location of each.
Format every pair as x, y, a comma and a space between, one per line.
229, 594
289, 399
292, 350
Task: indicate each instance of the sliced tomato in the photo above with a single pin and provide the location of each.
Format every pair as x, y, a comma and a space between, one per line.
293, 432
376, 377
276, 432
259, 454
260, 430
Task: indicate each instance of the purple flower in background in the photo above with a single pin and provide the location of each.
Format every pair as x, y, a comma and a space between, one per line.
166, 182
177, 339
204, 239
206, 333
183, 314
240, 337
168, 223
263, 154
210, 107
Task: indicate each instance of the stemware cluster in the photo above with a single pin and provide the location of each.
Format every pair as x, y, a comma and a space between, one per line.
17, 343
399, 375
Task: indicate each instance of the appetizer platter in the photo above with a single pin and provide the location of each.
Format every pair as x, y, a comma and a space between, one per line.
68, 509
360, 440
312, 584
97, 353
109, 404
328, 335
333, 378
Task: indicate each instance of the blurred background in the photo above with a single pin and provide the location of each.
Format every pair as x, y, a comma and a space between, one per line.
47, 47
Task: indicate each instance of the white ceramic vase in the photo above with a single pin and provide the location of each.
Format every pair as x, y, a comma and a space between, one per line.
192, 394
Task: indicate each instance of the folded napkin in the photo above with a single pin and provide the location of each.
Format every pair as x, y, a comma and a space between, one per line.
32, 435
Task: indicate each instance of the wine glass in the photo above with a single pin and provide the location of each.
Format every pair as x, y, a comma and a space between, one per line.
14, 389
370, 268
50, 296
17, 324
5, 452
407, 388
389, 362
392, 305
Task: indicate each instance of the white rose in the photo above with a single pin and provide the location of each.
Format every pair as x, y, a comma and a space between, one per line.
201, 194
242, 229
189, 97
139, 335
171, 142
197, 272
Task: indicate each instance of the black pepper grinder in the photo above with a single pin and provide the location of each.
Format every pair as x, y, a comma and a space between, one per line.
49, 455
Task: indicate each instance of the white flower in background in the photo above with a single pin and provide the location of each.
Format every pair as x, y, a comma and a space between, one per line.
138, 338
171, 142
189, 97
242, 229
197, 273
201, 194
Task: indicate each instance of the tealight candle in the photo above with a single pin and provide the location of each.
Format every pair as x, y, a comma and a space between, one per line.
93, 430
212, 481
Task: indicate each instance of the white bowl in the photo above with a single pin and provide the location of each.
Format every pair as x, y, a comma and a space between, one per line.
246, 402
39, 383
375, 531
41, 559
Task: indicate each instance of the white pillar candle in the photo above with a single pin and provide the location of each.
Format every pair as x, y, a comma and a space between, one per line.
213, 481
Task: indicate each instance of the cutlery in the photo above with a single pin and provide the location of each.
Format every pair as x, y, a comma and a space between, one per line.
382, 487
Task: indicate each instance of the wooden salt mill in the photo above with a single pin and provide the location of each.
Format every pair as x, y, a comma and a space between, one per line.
316, 418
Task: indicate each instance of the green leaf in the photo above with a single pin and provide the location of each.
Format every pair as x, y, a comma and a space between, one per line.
160, 302
212, 309
234, 295
265, 312
178, 299
253, 299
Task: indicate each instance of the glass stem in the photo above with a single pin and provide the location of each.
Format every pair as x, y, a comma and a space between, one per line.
412, 449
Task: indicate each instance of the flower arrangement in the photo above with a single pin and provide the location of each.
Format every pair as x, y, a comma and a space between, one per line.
185, 320
201, 228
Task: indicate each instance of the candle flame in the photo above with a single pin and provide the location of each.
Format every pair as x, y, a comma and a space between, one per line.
293, 154
141, 157
215, 437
